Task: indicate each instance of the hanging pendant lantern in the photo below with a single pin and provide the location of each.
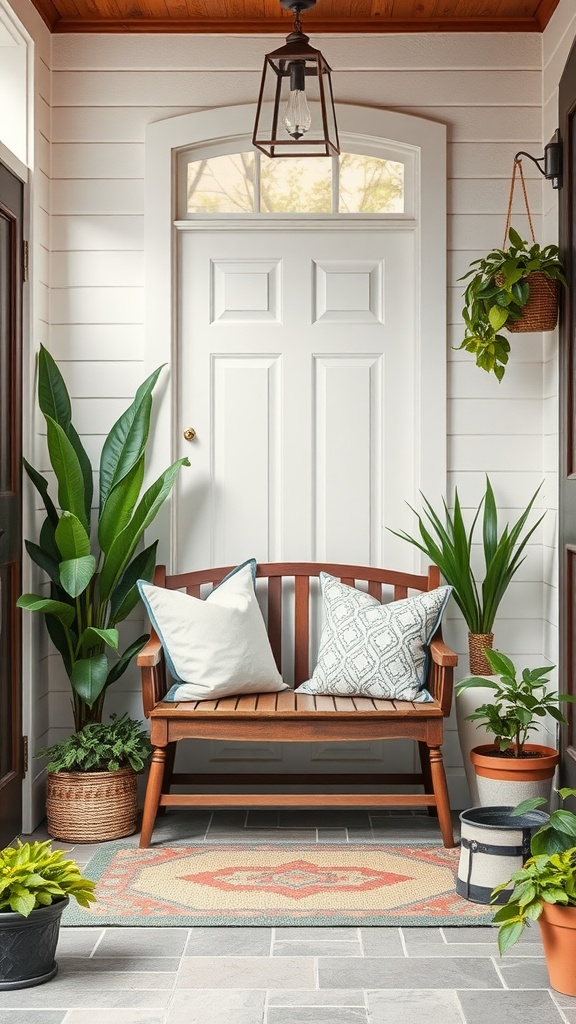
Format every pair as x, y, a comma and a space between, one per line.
295, 76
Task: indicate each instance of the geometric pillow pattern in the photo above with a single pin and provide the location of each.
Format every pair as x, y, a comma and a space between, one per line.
371, 649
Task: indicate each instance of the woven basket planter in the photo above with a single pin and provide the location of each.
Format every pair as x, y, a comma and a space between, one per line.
541, 311
88, 807
479, 665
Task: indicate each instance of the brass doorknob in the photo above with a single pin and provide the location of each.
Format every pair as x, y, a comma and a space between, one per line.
189, 434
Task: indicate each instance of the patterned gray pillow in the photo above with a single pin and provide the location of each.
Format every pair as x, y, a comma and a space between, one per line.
371, 649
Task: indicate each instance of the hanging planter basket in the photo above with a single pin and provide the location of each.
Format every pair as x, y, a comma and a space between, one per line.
541, 311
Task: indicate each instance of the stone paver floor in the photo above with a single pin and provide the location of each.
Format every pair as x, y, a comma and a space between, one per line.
290, 975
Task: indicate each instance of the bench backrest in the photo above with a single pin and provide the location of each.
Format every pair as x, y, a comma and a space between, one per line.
397, 586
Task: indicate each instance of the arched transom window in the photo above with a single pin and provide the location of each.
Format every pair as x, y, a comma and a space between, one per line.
247, 183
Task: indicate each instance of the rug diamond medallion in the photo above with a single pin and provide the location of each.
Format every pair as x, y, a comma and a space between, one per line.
281, 885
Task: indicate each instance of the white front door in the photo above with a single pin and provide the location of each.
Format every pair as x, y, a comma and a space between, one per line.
297, 368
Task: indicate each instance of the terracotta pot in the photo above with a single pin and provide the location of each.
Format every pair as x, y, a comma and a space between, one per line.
558, 931
509, 780
88, 807
479, 665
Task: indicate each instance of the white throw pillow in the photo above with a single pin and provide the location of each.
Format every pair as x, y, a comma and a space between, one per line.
371, 649
218, 646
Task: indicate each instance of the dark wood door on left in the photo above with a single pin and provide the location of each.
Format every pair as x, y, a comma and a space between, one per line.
11, 211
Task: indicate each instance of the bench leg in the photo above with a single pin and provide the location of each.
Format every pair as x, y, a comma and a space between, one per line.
441, 793
424, 753
152, 798
168, 770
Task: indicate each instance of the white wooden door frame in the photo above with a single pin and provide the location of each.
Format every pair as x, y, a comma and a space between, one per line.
357, 126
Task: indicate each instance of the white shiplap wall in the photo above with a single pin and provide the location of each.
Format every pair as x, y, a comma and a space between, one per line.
486, 88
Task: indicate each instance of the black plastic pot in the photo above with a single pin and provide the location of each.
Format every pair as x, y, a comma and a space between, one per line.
28, 945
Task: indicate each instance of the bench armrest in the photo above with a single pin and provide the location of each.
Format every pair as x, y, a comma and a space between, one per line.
441, 673
153, 673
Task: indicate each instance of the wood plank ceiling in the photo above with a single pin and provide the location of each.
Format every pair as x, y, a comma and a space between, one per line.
266, 16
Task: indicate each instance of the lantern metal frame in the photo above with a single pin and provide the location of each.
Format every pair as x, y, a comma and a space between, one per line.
278, 63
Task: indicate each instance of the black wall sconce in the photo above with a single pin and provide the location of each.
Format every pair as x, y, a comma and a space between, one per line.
552, 160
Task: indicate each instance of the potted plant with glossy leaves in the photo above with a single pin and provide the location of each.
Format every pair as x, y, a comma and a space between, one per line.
91, 789
544, 890
447, 541
513, 289
36, 884
510, 769
93, 562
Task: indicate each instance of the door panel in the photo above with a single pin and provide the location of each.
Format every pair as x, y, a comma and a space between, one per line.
297, 357
11, 204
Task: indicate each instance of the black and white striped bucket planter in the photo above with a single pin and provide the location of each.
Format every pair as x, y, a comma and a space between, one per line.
494, 843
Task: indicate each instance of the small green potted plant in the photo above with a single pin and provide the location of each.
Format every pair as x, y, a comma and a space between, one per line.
93, 561
91, 788
544, 890
504, 289
510, 768
36, 884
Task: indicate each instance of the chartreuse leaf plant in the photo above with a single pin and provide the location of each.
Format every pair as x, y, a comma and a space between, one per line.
33, 875
498, 289
549, 876
518, 702
92, 558
445, 540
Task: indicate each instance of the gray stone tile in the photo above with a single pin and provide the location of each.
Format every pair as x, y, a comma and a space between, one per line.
570, 1016
402, 1007
77, 941
513, 1007
564, 1001
381, 942
324, 819
318, 947
347, 934
262, 835
228, 820
394, 972
155, 965
316, 1015
262, 818
246, 972
332, 835
116, 1017
31, 1016
229, 942
325, 997
60, 993
214, 1006
135, 942
528, 973
482, 934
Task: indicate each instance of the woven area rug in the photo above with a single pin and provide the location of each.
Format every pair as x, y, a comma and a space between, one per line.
269, 885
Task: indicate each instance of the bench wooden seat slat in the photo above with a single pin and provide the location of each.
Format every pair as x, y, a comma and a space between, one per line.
290, 717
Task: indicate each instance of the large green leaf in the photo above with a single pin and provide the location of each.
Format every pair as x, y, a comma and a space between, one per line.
76, 573
119, 505
121, 665
71, 537
126, 595
88, 677
53, 397
41, 485
60, 637
34, 603
127, 438
44, 560
85, 466
124, 544
65, 463
91, 637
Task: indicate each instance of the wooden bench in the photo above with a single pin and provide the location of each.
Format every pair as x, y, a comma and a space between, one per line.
289, 717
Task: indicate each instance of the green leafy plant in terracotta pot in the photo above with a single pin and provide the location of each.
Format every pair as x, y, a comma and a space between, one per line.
36, 884
93, 561
544, 890
503, 288
510, 769
91, 789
